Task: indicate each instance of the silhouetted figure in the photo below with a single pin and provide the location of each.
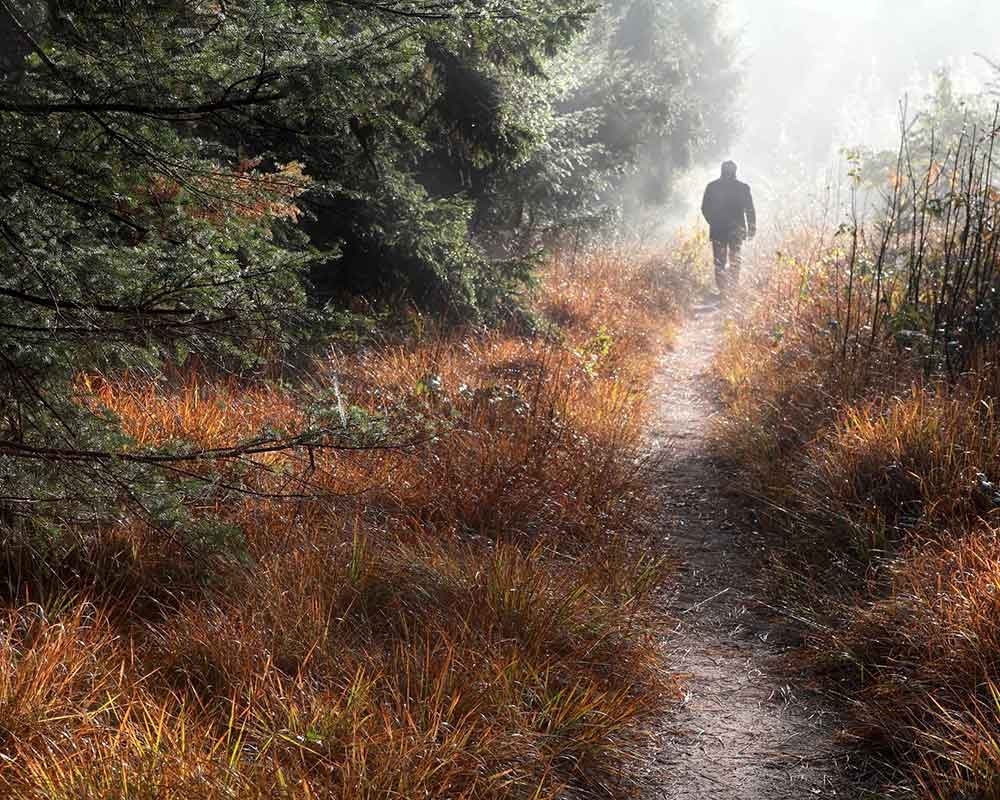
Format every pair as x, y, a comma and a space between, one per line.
728, 207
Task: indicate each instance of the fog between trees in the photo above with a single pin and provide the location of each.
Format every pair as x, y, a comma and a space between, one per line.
823, 76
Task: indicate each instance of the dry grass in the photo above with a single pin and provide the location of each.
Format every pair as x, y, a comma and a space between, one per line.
880, 492
469, 616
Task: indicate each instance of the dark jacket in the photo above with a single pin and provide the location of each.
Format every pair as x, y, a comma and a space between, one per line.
728, 207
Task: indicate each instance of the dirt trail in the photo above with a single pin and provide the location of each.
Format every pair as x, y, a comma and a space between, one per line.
745, 731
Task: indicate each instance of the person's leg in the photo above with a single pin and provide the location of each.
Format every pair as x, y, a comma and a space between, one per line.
719, 251
735, 260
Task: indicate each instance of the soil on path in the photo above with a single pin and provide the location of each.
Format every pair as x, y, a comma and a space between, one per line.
747, 729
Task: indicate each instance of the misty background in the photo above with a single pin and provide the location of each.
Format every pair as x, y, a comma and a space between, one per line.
821, 76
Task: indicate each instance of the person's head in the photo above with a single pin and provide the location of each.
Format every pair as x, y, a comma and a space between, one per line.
729, 169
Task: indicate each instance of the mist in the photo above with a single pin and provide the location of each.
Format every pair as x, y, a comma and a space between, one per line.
823, 76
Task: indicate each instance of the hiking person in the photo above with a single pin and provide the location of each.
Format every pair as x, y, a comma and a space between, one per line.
728, 208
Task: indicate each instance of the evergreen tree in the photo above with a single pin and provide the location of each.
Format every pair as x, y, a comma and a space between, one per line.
647, 90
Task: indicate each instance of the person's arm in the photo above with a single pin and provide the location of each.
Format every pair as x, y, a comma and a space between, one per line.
751, 215
706, 205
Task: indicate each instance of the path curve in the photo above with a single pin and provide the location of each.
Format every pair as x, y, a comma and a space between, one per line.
745, 730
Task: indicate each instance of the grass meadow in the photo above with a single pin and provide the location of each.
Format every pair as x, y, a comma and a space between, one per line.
861, 383
468, 612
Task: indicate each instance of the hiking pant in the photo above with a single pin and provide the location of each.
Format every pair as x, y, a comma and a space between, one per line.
728, 260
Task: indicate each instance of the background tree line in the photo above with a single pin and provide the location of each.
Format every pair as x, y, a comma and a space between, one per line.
184, 176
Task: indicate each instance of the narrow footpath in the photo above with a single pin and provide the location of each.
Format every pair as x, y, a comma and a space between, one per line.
746, 729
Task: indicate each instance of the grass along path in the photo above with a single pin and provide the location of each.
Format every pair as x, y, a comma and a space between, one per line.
746, 729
